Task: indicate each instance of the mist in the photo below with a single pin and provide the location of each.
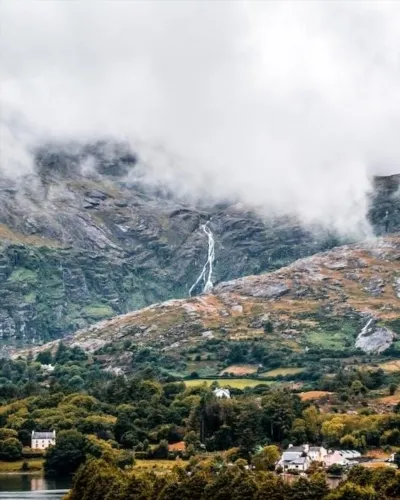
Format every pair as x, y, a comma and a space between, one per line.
288, 107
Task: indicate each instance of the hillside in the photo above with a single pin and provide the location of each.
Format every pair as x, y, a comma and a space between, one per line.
81, 241
335, 304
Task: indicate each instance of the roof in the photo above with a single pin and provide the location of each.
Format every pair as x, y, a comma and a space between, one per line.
219, 392
300, 461
43, 435
289, 456
315, 448
296, 449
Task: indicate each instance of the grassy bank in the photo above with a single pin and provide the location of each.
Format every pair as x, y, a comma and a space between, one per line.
34, 465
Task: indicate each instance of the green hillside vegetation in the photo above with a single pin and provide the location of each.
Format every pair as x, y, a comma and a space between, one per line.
214, 478
125, 418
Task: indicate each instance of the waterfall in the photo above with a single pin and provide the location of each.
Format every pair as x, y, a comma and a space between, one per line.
206, 273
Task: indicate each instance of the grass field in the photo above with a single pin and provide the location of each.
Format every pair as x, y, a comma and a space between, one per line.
35, 464
236, 383
311, 395
240, 369
157, 465
282, 371
390, 366
390, 400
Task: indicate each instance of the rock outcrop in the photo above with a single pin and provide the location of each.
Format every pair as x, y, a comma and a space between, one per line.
374, 339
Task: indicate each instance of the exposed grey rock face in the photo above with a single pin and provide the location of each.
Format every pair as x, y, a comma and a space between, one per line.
374, 339
254, 287
397, 287
79, 243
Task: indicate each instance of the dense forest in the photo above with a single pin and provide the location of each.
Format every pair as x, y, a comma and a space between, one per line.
213, 479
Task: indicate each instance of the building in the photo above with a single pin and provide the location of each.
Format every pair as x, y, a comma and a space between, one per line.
222, 393
317, 453
42, 440
335, 458
341, 457
295, 458
350, 454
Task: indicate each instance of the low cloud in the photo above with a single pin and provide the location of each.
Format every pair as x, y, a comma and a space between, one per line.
285, 106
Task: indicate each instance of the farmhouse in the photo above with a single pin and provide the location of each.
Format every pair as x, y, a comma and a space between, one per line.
341, 457
222, 393
42, 440
295, 458
317, 453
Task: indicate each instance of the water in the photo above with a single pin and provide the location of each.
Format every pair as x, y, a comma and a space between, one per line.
25, 486
207, 271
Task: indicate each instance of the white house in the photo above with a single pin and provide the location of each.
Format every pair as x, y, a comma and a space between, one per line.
42, 440
295, 458
222, 393
317, 453
335, 458
341, 457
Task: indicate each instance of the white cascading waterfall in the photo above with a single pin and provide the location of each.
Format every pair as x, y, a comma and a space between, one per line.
206, 273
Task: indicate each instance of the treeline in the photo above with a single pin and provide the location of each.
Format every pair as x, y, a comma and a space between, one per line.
214, 479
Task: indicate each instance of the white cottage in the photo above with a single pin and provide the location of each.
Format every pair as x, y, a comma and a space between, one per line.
317, 453
222, 393
295, 458
42, 440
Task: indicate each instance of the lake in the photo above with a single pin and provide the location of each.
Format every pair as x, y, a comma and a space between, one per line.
26, 486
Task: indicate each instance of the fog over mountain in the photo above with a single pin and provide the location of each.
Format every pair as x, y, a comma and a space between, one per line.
285, 106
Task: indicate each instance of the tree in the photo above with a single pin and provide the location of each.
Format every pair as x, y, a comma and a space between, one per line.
10, 449
298, 433
161, 450
45, 357
392, 388
351, 491
67, 454
332, 431
348, 442
266, 458
7, 433
311, 417
280, 408
318, 486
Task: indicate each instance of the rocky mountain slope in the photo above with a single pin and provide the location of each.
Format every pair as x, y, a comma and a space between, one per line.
343, 300
79, 241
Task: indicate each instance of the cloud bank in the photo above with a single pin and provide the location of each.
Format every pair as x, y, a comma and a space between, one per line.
286, 106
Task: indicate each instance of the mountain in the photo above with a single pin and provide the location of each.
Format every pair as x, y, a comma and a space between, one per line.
339, 303
82, 239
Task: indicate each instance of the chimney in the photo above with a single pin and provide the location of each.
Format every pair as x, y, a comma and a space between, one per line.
290, 446
306, 448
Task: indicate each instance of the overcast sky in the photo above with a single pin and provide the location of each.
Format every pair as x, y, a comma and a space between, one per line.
282, 104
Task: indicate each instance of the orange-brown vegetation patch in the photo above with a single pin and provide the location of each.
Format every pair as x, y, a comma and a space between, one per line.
240, 369
180, 446
378, 453
311, 395
390, 400
376, 465
8, 234
391, 366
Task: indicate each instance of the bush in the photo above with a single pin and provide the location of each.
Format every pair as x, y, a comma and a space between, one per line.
335, 470
11, 450
67, 455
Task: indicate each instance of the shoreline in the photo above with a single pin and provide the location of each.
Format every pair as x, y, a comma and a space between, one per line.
21, 473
